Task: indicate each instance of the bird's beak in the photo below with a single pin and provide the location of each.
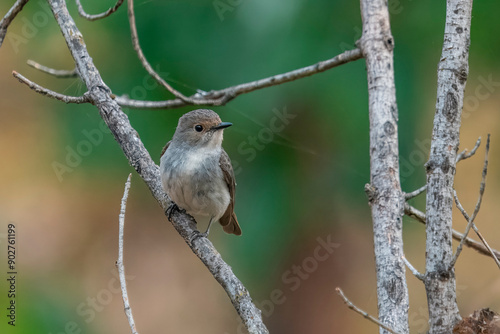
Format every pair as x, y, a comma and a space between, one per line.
221, 126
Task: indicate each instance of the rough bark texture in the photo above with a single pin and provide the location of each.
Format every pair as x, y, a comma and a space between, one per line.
384, 192
139, 158
452, 76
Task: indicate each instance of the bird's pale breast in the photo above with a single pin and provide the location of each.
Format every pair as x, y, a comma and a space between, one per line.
194, 181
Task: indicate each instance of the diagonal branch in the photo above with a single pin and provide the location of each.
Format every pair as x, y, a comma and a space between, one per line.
470, 220
7, 19
466, 216
415, 193
414, 270
322, 66
363, 313
139, 158
97, 16
119, 263
57, 73
418, 215
49, 93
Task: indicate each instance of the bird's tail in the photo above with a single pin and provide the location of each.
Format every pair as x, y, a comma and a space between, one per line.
232, 227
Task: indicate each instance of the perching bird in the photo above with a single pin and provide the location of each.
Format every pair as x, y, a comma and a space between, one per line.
196, 171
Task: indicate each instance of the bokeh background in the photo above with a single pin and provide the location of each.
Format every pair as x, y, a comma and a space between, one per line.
298, 188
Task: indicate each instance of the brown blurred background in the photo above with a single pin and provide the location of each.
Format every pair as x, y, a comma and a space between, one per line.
297, 188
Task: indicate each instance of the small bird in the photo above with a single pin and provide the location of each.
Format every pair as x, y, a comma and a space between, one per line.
196, 172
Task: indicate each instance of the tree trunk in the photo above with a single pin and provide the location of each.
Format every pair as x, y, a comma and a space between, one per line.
384, 192
452, 76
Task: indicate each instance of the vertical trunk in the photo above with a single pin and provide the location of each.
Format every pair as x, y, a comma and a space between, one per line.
384, 192
452, 76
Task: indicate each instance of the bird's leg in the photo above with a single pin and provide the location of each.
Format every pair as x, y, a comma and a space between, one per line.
205, 234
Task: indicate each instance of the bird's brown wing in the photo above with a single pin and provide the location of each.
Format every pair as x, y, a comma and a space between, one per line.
228, 219
165, 148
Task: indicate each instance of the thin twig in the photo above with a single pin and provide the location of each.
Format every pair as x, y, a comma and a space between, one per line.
414, 271
464, 155
363, 313
322, 66
49, 93
418, 215
135, 42
119, 263
470, 220
415, 193
474, 227
7, 19
97, 16
57, 73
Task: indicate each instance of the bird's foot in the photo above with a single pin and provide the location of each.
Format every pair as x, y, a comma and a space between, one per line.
173, 207
197, 234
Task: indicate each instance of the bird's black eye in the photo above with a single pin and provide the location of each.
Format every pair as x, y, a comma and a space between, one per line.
198, 128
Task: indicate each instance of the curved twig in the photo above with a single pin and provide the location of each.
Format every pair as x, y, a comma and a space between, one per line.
97, 16
57, 73
135, 42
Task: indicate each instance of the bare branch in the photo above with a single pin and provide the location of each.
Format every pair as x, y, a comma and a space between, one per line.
7, 19
492, 252
49, 93
234, 91
119, 263
415, 193
363, 313
414, 271
470, 220
139, 158
466, 155
418, 215
57, 73
97, 16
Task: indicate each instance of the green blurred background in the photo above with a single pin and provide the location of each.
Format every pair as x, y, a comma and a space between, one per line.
297, 187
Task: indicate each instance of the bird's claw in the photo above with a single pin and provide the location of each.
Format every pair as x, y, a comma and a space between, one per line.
173, 207
197, 234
